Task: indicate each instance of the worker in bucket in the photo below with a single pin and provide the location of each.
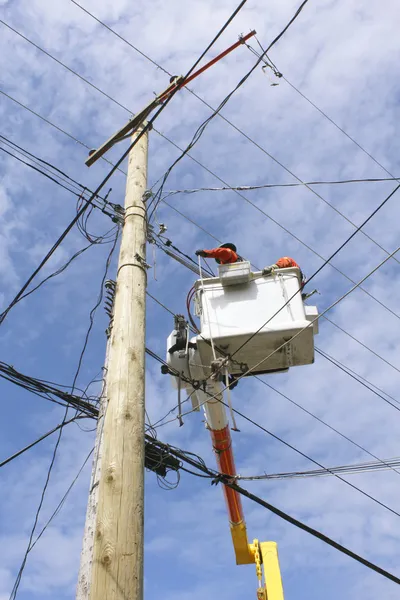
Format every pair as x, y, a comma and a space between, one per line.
223, 255
284, 263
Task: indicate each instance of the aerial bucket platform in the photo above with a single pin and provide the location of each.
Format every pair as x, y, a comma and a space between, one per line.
234, 306
249, 324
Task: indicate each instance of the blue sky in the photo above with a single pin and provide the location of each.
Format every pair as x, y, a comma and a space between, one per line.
343, 57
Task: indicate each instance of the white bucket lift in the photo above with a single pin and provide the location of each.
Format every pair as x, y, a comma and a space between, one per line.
249, 323
259, 320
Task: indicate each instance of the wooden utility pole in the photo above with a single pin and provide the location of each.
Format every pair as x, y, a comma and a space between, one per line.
114, 568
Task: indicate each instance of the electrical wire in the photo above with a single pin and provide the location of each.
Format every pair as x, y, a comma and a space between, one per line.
144, 130
47, 391
348, 372
384, 464
248, 188
59, 129
43, 437
55, 172
14, 590
227, 481
91, 319
354, 469
125, 108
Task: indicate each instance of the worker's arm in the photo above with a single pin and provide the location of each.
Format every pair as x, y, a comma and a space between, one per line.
225, 255
283, 263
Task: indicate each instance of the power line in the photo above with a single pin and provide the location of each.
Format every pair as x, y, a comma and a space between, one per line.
248, 188
62, 501
73, 138
353, 469
43, 437
32, 544
187, 218
339, 128
57, 175
91, 321
226, 480
46, 390
125, 154
14, 591
347, 371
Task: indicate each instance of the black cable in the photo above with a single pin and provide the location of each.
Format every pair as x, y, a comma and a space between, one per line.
53, 458
59, 176
39, 171
282, 441
222, 181
62, 501
345, 370
95, 307
58, 272
43, 437
248, 188
46, 390
276, 437
285, 516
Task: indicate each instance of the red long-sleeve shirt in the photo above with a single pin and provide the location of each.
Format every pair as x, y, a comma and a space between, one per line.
224, 255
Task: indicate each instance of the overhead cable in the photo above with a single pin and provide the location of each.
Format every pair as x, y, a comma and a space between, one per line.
247, 188
43, 437
226, 480
352, 469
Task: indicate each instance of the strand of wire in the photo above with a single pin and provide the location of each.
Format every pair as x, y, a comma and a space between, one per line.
185, 216
55, 171
33, 444
366, 383
353, 469
248, 188
228, 482
46, 391
335, 303
91, 319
